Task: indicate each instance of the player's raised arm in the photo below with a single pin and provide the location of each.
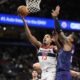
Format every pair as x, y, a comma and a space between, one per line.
55, 13
29, 35
55, 39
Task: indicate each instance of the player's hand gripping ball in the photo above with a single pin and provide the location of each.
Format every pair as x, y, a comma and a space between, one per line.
22, 10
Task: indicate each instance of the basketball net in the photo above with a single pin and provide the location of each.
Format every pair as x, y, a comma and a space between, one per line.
33, 5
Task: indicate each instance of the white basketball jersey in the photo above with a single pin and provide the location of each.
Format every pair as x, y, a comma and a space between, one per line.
47, 59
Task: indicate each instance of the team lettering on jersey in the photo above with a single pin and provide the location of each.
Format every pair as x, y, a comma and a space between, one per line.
47, 58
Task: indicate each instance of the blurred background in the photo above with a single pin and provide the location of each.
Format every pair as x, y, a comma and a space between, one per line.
17, 55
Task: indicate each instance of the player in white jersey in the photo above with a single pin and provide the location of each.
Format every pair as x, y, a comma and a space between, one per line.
46, 53
47, 60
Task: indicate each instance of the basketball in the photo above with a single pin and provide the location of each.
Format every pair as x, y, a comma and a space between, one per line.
22, 10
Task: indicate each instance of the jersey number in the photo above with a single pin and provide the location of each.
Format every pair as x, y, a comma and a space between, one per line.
44, 56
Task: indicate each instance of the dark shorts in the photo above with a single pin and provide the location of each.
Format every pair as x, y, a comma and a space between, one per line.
63, 75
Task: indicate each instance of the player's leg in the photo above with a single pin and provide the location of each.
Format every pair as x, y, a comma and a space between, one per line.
63, 75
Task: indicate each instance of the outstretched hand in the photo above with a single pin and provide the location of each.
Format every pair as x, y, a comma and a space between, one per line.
56, 11
22, 17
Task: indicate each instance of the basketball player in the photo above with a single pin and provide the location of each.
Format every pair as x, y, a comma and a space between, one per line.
37, 66
46, 53
65, 53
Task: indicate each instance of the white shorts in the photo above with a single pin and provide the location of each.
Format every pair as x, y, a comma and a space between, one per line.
48, 75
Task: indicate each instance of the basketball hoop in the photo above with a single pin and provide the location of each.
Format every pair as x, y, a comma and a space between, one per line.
33, 5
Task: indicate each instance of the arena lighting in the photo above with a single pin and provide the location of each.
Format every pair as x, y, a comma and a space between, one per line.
38, 22
4, 28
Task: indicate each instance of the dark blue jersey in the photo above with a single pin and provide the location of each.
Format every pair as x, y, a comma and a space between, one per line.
64, 60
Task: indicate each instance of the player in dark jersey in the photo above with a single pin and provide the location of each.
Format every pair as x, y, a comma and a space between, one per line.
65, 52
